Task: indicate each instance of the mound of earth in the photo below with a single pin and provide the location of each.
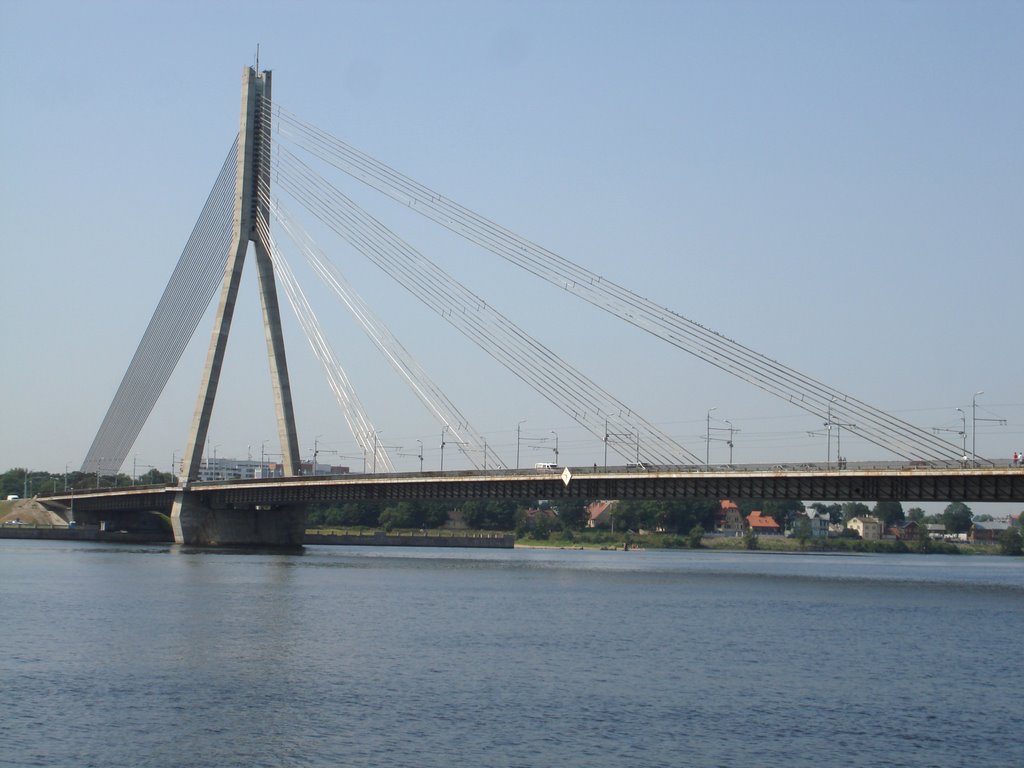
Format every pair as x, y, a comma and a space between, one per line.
30, 512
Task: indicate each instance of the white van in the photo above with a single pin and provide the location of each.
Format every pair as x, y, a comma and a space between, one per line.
547, 466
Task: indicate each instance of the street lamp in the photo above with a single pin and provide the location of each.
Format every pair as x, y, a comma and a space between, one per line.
707, 439
519, 433
443, 431
828, 434
556, 446
421, 454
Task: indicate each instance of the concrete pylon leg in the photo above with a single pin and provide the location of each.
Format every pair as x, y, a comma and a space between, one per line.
252, 173
278, 362
198, 525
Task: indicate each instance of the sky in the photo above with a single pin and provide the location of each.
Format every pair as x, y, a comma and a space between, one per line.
838, 186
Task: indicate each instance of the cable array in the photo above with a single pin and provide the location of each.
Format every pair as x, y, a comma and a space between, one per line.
568, 389
429, 393
821, 400
186, 297
351, 407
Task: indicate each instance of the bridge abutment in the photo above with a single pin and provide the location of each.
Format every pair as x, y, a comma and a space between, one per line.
198, 525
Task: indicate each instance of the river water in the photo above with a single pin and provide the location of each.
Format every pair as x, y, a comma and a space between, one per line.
163, 656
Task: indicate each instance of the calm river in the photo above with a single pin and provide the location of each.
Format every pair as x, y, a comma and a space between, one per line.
161, 656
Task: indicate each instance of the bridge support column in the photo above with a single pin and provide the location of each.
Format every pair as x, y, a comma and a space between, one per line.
198, 525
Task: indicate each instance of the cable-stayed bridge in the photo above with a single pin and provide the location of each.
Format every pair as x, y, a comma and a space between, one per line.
268, 170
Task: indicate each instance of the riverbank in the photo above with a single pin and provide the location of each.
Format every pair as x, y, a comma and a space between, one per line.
609, 541
580, 540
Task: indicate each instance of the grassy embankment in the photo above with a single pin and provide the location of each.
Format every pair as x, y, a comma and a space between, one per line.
608, 540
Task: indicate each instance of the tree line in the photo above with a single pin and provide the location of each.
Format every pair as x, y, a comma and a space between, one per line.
23, 482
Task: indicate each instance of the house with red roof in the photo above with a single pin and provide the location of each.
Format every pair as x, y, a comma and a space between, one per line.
599, 514
763, 525
728, 518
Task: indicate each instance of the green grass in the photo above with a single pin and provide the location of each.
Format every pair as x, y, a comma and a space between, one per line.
607, 540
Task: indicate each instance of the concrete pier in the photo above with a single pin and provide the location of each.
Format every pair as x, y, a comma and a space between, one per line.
198, 525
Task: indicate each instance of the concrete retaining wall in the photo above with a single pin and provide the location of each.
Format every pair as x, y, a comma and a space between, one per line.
84, 533
376, 539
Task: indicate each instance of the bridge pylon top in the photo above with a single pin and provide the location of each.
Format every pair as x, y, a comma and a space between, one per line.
252, 187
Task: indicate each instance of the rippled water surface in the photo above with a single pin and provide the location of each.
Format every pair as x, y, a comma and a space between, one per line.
161, 656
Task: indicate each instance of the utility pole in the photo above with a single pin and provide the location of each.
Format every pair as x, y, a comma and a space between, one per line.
731, 431
443, 431
974, 427
707, 439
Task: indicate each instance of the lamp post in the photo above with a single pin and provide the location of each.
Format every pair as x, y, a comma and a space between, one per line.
556, 446
421, 454
828, 435
316, 452
605, 443
443, 431
519, 434
731, 430
707, 439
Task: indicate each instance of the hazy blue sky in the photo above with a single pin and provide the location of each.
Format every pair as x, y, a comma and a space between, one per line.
837, 185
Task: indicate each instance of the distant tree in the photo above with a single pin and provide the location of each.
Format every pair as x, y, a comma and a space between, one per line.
12, 482
802, 530
571, 512
983, 518
924, 543
852, 509
155, 477
889, 512
492, 515
693, 539
633, 515
916, 514
1011, 541
682, 515
746, 506
414, 514
957, 518
784, 511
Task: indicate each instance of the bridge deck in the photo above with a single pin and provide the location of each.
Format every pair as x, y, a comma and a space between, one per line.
912, 484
